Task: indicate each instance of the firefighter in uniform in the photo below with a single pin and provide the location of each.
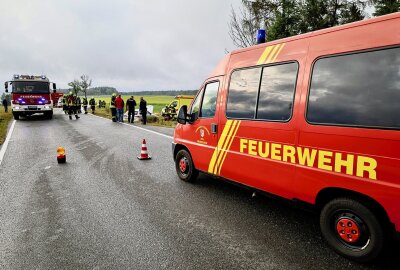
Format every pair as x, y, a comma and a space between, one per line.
85, 103
113, 109
78, 104
64, 103
92, 104
72, 104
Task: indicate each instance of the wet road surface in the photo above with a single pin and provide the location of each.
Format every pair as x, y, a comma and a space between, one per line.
105, 209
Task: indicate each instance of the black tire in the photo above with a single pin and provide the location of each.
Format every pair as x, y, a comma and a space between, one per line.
185, 167
352, 230
48, 115
16, 116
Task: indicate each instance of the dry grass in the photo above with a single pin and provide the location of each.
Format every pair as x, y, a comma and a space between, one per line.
5, 119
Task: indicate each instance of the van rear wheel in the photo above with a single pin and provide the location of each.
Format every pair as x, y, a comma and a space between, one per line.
185, 167
352, 229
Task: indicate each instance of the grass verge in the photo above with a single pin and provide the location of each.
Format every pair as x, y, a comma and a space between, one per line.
152, 120
5, 119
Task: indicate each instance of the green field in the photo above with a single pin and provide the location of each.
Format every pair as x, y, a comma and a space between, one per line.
157, 101
5, 118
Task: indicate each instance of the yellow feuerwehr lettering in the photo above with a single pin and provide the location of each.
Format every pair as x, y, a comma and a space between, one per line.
252, 147
305, 157
324, 158
366, 164
264, 153
243, 144
288, 153
276, 151
340, 162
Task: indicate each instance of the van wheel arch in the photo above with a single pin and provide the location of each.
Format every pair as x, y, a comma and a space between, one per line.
184, 165
328, 194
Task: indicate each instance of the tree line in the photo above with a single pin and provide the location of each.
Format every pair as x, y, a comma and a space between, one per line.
285, 18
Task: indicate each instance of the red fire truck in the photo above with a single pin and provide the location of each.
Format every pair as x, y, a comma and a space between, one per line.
31, 95
313, 118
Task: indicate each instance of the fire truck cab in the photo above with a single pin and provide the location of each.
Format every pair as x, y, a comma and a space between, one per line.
312, 118
31, 95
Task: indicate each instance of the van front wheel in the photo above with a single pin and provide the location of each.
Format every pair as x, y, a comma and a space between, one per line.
352, 229
185, 167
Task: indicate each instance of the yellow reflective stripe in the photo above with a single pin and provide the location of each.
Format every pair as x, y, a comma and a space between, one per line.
264, 55
272, 54
229, 147
279, 51
226, 143
219, 146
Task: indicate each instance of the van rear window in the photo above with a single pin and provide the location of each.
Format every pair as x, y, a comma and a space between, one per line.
361, 89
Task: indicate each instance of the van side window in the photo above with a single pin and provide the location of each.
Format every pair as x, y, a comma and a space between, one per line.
361, 89
195, 109
209, 100
277, 92
243, 91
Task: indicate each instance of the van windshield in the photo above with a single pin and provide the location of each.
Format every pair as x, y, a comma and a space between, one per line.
31, 87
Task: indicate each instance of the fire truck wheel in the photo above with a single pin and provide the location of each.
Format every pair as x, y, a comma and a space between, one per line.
352, 229
185, 167
49, 115
16, 116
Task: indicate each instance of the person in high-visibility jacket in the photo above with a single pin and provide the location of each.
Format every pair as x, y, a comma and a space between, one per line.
72, 106
112, 108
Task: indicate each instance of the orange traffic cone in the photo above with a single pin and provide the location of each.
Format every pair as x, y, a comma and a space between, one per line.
143, 153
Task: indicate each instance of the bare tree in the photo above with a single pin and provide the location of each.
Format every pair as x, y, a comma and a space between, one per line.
75, 87
252, 16
85, 83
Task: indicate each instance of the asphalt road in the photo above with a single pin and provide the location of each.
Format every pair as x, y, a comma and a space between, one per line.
105, 209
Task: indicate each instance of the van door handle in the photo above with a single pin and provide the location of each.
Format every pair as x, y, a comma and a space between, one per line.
214, 128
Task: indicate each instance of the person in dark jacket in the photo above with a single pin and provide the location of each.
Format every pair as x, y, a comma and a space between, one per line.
78, 104
92, 104
85, 103
130, 107
143, 110
5, 104
112, 108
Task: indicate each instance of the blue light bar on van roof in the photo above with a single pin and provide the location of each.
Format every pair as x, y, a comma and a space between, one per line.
260, 36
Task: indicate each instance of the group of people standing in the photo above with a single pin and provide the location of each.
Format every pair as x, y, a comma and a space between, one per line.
117, 106
72, 105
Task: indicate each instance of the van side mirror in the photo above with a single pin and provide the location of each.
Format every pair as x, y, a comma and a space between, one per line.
182, 115
54, 87
6, 86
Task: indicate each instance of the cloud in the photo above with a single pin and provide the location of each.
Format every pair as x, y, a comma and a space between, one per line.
131, 45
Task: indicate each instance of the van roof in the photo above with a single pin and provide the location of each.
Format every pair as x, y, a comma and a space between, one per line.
321, 32
220, 69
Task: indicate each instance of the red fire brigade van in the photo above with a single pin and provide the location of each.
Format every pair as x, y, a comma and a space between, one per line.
31, 95
313, 118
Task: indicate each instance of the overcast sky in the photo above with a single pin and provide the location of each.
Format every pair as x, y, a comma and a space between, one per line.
132, 45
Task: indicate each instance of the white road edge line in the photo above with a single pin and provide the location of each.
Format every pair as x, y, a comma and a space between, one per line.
148, 130
4, 147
